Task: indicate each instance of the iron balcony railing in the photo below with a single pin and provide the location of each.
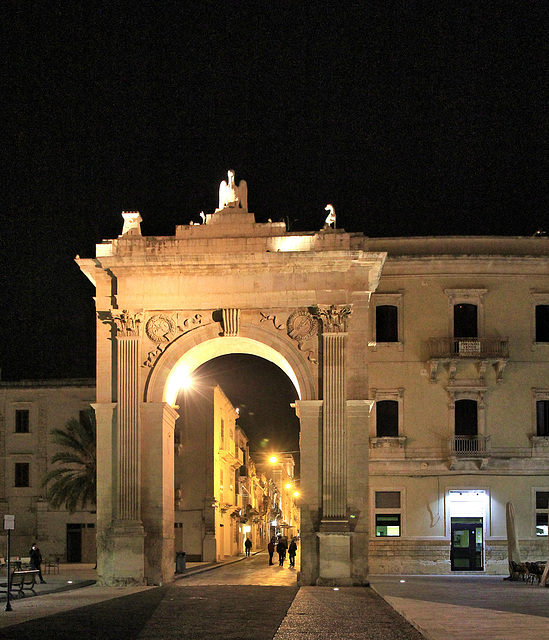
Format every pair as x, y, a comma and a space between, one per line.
470, 446
468, 348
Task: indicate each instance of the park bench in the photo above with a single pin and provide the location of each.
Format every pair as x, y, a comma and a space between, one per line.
21, 580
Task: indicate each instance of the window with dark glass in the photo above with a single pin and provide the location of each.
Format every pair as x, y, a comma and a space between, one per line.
22, 421
465, 321
542, 323
387, 524
22, 474
542, 412
542, 513
387, 418
466, 418
386, 323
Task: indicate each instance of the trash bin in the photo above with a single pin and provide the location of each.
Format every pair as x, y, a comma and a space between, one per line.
180, 562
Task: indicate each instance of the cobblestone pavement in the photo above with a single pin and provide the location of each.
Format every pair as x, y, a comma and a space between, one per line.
247, 600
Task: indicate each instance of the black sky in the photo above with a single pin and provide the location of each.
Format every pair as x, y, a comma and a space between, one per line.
410, 118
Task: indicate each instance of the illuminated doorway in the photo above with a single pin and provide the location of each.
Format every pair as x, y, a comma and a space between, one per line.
467, 516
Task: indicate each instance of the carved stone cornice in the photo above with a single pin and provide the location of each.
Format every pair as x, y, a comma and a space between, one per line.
334, 317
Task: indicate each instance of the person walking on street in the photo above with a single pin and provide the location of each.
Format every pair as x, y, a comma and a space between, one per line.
271, 550
248, 545
292, 550
36, 561
281, 550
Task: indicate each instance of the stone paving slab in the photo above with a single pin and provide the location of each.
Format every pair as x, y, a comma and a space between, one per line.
348, 612
467, 607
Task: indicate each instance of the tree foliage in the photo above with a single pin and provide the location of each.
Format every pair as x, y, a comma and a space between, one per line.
72, 481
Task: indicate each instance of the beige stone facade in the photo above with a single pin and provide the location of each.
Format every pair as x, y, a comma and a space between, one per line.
499, 366
408, 425
29, 410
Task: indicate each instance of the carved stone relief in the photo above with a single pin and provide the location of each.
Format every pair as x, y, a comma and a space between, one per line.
334, 317
126, 322
163, 329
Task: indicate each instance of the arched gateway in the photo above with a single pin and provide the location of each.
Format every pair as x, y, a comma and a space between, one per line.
165, 305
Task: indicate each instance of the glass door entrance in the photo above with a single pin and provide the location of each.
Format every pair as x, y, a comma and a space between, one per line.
467, 549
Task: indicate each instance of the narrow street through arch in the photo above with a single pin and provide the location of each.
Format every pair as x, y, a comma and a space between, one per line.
249, 571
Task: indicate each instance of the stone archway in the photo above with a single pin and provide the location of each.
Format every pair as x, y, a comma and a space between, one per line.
299, 300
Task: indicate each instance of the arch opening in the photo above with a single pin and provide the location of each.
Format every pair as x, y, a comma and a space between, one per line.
200, 354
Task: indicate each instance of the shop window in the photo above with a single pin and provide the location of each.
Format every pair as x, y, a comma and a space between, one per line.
22, 474
22, 421
388, 514
542, 513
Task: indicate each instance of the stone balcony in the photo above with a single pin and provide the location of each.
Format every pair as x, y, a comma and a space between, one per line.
482, 351
470, 448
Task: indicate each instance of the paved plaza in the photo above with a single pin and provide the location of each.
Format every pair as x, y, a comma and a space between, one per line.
250, 600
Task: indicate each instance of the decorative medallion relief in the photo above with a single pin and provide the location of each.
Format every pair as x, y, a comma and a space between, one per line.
162, 329
300, 326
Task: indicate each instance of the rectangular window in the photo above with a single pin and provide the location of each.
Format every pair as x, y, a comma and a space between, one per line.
387, 323
542, 323
22, 474
22, 421
542, 513
387, 418
465, 321
387, 514
222, 432
387, 525
542, 418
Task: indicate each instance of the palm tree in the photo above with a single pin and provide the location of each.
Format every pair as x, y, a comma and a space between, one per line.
74, 484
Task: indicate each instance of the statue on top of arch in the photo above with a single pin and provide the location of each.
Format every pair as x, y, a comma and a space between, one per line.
232, 195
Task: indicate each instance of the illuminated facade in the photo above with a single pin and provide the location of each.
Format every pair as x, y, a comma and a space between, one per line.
458, 353
419, 365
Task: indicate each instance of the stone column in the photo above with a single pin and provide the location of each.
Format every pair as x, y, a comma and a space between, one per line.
157, 488
309, 413
105, 419
128, 554
334, 536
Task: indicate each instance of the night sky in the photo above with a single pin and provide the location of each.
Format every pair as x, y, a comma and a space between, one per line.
410, 118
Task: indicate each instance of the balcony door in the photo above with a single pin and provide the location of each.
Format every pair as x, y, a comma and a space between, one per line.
465, 321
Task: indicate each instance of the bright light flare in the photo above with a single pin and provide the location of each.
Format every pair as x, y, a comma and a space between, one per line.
273, 459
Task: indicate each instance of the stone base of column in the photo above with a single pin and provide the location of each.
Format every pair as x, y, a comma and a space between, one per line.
128, 568
334, 549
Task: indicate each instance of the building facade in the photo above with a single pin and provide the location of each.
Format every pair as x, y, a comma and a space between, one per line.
29, 410
458, 351
420, 369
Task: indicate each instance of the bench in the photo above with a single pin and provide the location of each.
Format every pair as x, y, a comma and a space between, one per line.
21, 580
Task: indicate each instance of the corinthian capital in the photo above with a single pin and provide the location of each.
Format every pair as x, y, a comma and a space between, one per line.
334, 317
127, 323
